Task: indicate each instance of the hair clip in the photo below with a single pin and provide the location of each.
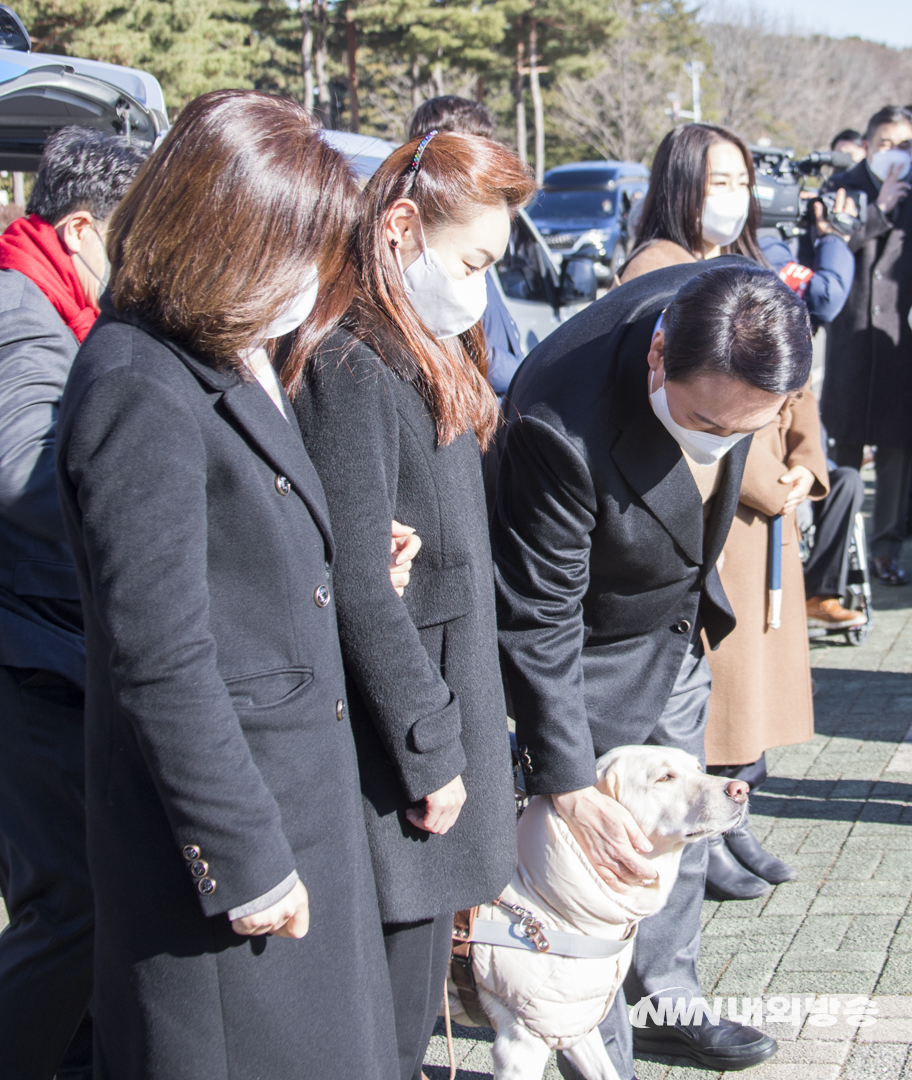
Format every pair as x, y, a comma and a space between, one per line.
416, 160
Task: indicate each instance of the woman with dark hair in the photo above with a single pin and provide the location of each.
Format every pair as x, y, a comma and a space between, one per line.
394, 407
237, 930
699, 202
699, 205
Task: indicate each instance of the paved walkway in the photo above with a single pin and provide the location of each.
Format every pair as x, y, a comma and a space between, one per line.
839, 809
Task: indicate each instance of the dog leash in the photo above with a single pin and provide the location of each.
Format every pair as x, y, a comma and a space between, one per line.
451, 1049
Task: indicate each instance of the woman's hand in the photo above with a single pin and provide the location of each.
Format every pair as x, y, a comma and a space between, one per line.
802, 480
288, 917
404, 546
441, 808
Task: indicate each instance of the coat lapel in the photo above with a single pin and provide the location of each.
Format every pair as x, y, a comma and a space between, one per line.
726, 502
279, 442
653, 465
647, 456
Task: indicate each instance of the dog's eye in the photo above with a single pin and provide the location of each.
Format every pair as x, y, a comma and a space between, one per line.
663, 779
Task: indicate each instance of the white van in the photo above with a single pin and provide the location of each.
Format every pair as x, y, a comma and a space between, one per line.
41, 93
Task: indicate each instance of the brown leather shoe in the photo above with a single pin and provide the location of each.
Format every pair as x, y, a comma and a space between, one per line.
826, 612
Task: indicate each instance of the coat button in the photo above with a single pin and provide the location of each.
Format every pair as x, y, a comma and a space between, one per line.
200, 868
682, 627
340, 709
206, 886
878, 274
525, 760
191, 852
283, 485
877, 309
321, 596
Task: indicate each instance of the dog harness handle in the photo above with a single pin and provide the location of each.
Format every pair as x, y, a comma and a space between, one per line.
558, 942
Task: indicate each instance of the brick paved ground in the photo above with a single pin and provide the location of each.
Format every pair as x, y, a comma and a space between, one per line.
839, 809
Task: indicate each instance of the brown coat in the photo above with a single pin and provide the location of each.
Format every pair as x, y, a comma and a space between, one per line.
761, 692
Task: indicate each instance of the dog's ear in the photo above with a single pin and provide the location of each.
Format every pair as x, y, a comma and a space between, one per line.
610, 783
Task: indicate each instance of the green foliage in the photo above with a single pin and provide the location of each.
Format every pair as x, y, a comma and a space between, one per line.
606, 67
191, 46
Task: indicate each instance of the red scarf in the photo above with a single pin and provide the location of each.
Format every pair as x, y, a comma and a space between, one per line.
32, 246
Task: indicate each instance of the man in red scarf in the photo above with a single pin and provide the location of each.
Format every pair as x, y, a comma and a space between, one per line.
53, 267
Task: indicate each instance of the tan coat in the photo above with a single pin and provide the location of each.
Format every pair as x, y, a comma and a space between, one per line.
761, 692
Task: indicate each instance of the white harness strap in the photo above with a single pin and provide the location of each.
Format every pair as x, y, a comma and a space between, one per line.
560, 943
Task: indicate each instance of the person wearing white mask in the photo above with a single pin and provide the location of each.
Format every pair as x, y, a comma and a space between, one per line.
393, 406
225, 832
614, 486
867, 391
699, 202
699, 206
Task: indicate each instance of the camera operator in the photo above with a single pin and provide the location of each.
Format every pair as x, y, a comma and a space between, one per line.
867, 391
802, 237
849, 142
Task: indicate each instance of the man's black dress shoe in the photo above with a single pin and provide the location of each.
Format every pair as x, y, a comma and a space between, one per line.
727, 879
748, 850
889, 571
726, 1046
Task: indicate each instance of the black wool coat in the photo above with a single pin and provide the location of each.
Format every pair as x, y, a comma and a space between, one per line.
216, 760
424, 684
602, 565
867, 389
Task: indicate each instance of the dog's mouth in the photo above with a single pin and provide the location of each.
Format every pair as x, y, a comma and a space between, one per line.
702, 834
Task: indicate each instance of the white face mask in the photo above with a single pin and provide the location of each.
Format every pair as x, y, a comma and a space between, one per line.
447, 306
295, 313
883, 160
724, 215
702, 446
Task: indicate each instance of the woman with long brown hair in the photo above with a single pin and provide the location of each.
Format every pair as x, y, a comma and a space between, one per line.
237, 930
394, 408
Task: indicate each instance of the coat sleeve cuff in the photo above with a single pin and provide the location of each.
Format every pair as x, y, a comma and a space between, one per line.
434, 754
560, 781
266, 900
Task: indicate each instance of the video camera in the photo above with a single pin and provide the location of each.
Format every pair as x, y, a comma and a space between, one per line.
780, 181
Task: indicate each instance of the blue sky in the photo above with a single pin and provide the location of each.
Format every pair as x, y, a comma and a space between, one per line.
885, 21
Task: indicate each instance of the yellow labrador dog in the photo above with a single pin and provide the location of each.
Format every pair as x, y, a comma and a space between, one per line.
549, 957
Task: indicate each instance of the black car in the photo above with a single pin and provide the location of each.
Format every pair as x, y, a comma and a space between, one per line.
583, 208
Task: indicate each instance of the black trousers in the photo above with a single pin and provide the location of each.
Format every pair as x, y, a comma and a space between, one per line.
46, 951
418, 955
893, 466
826, 571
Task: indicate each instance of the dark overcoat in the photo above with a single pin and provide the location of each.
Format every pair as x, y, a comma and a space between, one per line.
40, 621
602, 563
424, 684
214, 693
867, 389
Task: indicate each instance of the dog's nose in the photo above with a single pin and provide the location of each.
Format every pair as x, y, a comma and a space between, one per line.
737, 790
